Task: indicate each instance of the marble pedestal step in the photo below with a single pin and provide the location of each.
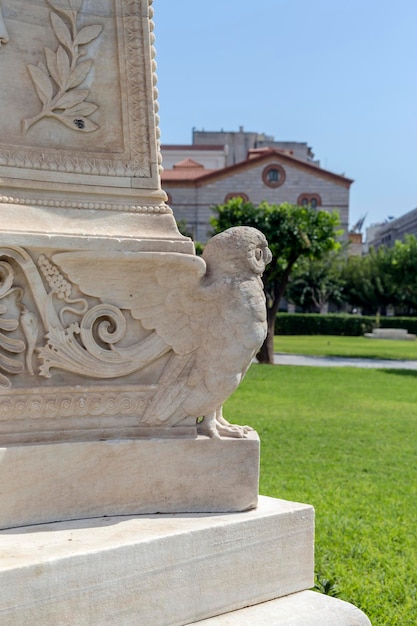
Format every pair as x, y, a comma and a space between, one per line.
50, 482
154, 570
305, 608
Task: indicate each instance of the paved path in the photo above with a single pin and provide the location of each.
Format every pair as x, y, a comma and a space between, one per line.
335, 361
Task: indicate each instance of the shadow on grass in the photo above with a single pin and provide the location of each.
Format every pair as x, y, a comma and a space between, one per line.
409, 373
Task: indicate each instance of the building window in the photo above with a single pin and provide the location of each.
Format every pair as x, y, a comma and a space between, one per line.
309, 199
237, 194
273, 175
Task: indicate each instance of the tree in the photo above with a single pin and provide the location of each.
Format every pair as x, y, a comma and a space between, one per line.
292, 232
316, 282
404, 264
370, 282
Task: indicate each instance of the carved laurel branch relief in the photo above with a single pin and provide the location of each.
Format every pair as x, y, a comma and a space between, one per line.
138, 141
89, 346
56, 82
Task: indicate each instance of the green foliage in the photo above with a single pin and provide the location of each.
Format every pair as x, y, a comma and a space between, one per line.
316, 282
343, 440
183, 228
292, 231
316, 324
328, 587
338, 324
410, 323
404, 266
199, 248
369, 280
386, 276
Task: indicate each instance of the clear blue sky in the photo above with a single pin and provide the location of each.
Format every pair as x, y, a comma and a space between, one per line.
340, 75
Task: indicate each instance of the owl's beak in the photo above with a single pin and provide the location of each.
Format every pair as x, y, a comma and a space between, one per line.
267, 256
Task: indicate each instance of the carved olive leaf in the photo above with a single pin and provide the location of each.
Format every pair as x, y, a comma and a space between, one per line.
72, 98
87, 34
63, 66
79, 122
43, 68
79, 73
51, 62
42, 83
61, 31
85, 108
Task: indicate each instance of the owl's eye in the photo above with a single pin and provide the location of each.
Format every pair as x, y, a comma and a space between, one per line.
258, 254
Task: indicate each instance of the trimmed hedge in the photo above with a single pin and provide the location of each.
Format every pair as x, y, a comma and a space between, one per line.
337, 324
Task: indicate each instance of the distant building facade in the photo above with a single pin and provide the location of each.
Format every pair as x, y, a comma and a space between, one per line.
240, 142
219, 166
387, 233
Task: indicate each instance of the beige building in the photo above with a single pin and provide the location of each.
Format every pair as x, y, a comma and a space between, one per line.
392, 230
195, 183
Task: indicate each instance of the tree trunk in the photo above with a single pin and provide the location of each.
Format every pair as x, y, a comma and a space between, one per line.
266, 353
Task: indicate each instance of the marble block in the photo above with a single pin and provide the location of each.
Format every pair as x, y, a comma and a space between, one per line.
154, 570
79, 130
63, 481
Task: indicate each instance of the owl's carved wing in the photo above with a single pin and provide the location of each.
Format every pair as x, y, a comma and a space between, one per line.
160, 289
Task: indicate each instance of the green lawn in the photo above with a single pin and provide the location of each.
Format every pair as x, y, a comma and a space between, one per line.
322, 345
344, 440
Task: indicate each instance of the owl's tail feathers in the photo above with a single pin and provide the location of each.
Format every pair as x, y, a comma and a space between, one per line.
172, 391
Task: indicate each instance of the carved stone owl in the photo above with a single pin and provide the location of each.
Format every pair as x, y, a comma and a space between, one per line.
208, 313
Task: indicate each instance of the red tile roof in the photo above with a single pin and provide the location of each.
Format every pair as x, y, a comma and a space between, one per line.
188, 169
197, 174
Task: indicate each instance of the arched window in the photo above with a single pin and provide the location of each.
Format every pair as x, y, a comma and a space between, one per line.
273, 175
236, 194
309, 199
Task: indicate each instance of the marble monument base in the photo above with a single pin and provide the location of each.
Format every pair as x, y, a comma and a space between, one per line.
154, 570
50, 482
240, 569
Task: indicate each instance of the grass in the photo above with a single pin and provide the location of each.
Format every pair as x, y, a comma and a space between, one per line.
344, 440
321, 345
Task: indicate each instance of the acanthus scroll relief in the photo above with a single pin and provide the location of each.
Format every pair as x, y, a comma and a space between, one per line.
86, 345
56, 82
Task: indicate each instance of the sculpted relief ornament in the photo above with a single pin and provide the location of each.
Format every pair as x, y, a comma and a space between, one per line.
194, 323
91, 76
56, 82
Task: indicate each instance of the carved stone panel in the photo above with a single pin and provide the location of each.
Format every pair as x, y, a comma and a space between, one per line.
79, 136
78, 90
98, 343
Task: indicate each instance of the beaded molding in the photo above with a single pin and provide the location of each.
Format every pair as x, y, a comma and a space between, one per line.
99, 206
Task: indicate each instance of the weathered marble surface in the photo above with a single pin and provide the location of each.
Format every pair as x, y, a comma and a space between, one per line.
76, 480
79, 137
156, 570
110, 325
99, 344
